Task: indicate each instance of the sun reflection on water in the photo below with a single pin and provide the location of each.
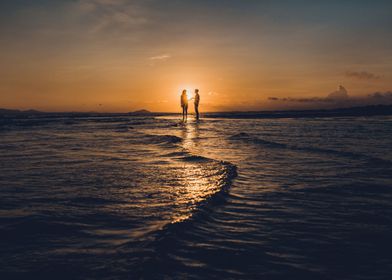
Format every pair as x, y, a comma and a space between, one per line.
190, 133
200, 177
193, 178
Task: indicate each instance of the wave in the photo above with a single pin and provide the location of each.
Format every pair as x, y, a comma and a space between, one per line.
219, 175
123, 128
160, 139
270, 144
163, 240
186, 157
26, 123
350, 189
108, 120
67, 121
226, 175
224, 172
176, 154
248, 138
195, 158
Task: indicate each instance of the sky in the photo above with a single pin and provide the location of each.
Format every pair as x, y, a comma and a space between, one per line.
120, 56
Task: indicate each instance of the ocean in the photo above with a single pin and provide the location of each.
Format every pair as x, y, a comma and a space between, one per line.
117, 197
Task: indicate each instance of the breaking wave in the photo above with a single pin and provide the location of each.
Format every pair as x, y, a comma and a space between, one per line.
160, 139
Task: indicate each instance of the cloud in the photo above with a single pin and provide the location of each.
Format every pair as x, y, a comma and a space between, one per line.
158, 59
161, 57
90, 5
363, 75
301, 100
340, 94
339, 98
113, 15
381, 96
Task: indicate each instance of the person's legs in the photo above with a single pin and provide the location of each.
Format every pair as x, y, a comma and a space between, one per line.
183, 113
186, 112
197, 111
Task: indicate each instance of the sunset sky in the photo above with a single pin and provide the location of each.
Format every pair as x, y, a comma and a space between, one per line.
119, 56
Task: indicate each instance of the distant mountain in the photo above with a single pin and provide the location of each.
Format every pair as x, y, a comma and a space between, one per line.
10, 112
140, 112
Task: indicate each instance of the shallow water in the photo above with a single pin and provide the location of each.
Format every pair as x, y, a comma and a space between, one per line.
119, 197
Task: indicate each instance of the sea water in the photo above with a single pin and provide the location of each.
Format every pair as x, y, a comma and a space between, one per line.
141, 197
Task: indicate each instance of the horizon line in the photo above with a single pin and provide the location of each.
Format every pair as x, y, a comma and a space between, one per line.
207, 112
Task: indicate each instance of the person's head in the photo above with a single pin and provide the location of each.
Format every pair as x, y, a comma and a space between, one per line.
197, 90
184, 91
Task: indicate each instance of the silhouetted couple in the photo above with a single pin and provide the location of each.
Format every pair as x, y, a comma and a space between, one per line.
184, 104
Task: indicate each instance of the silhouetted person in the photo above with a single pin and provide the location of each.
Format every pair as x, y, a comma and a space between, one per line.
184, 105
197, 101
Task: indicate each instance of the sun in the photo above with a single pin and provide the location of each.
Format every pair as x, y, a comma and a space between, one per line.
189, 94
189, 91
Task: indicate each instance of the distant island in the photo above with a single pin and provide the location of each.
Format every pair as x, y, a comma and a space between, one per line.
4, 112
142, 112
31, 113
374, 110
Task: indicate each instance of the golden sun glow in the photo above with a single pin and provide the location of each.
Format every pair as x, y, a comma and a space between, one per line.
190, 89
189, 95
